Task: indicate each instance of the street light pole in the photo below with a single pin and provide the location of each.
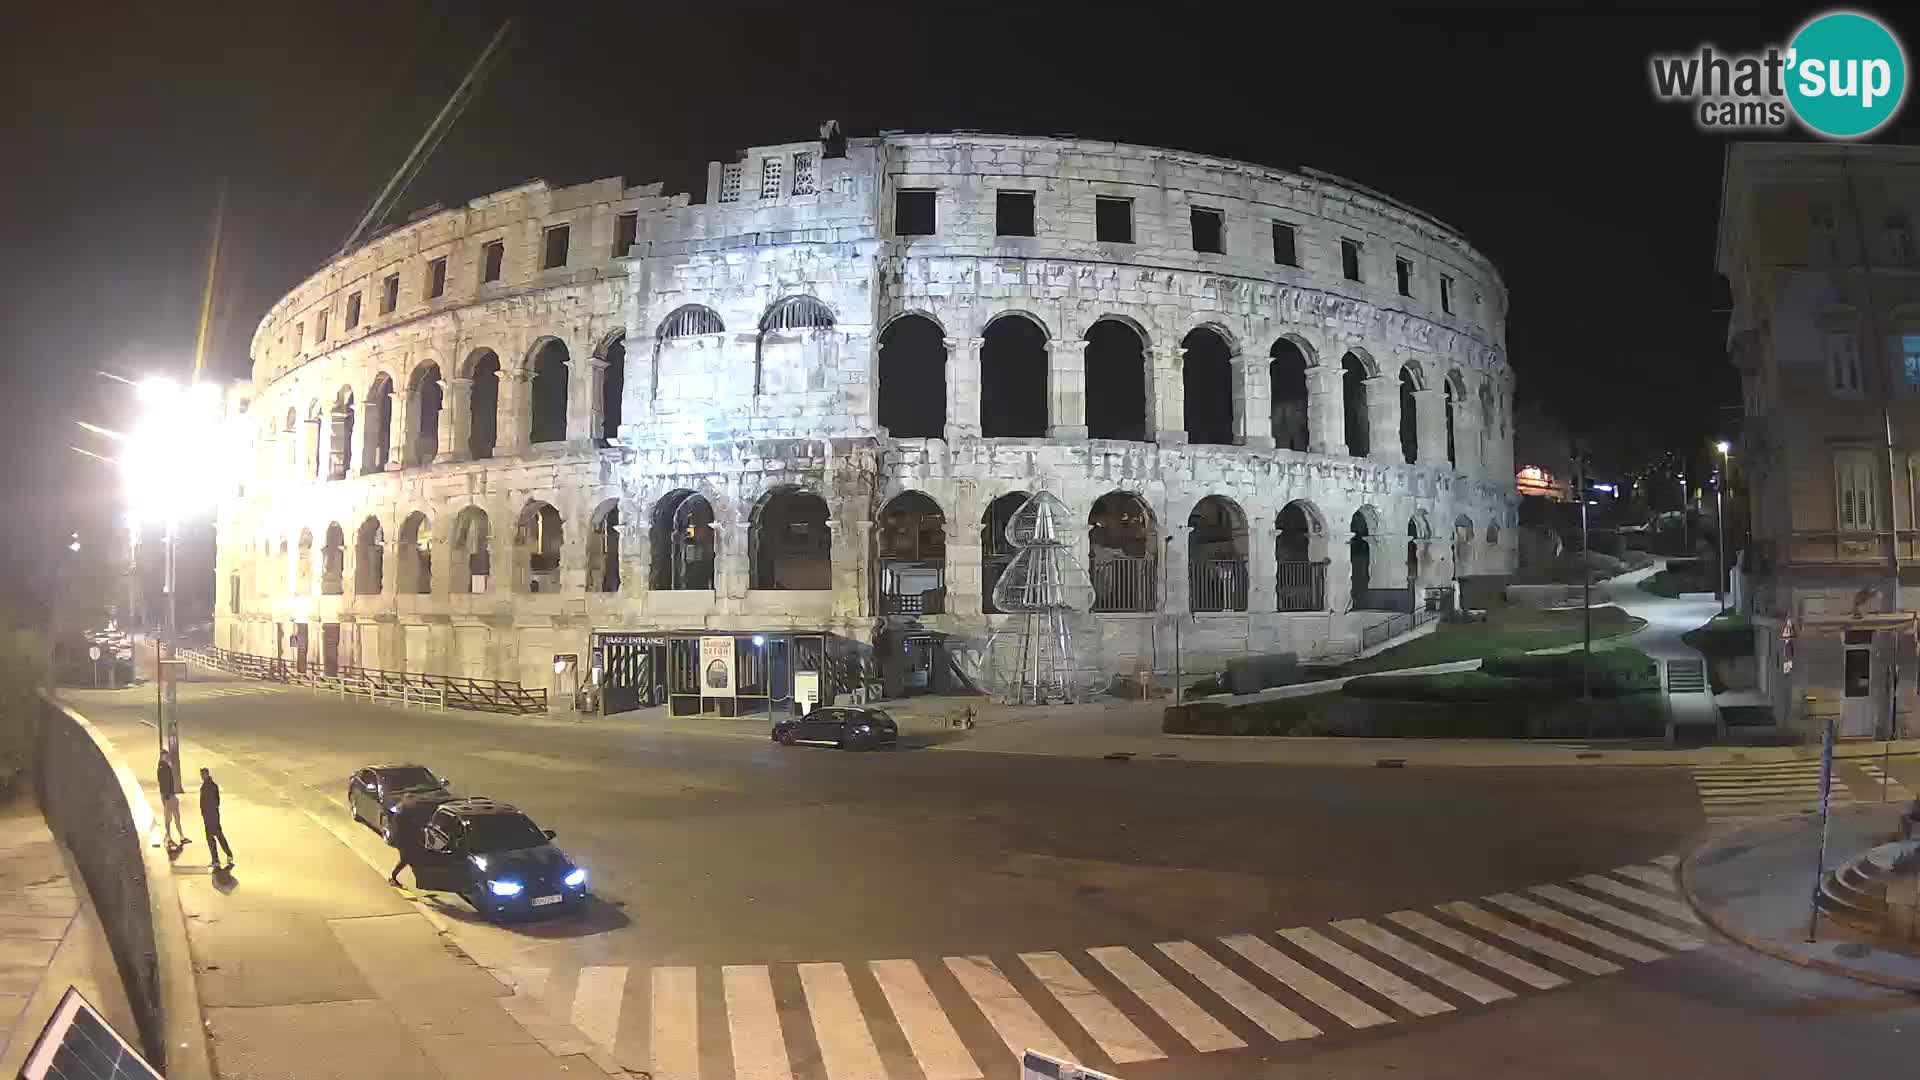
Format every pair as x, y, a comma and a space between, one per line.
1586, 597
1720, 519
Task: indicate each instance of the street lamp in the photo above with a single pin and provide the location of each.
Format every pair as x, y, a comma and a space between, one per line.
1720, 519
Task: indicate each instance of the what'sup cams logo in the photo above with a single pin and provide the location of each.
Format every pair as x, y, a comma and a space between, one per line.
1842, 76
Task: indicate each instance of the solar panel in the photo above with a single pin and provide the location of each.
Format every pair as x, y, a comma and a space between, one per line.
79, 1044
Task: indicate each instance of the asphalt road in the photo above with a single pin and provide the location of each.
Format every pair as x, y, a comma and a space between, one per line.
708, 851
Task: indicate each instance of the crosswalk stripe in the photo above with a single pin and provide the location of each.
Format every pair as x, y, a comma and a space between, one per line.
1305, 982
1480, 989
1648, 875
1733, 788
1474, 949
753, 1021
676, 1024
846, 1046
596, 1003
1668, 861
930, 1035
1625, 920
1274, 1018
1672, 909
1189, 1020
1367, 973
1573, 927
1119, 1039
1481, 919
1012, 1018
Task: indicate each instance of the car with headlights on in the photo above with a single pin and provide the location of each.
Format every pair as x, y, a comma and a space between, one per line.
374, 792
849, 727
494, 857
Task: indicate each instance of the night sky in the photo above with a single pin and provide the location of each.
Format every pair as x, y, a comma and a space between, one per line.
1532, 129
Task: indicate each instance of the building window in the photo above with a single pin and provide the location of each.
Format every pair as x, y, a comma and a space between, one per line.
1013, 213
1446, 294
389, 294
1403, 276
492, 256
320, 326
804, 182
1285, 251
299, 336
437, 278
1350, 259
1113, 220
626, 229
558, 238
353, 311
1843, 363
1853, 485
770, 174
233, 594
1209, 227
730, 182
1899, 237
1823, 233
1910, 363
913, 212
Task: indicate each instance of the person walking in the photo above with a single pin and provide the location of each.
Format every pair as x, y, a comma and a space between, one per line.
405, 833
210, 817
170, 804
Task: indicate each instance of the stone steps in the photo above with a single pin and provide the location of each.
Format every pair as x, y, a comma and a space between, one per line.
1855, 893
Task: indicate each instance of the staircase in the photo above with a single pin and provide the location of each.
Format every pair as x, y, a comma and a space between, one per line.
1686, 676
1855, 894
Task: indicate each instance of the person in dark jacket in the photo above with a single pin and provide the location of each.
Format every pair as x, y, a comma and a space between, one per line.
170, 803
409, 823
210, 817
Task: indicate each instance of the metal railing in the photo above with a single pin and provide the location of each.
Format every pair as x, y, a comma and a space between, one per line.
377, 684
930, 602
1403, 623
1124, 583
1302, 586
1217, 585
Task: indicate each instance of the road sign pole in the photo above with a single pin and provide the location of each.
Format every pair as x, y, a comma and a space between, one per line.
1826, 807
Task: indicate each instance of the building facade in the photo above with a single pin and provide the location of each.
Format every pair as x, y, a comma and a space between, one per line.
1818, 245
561, 428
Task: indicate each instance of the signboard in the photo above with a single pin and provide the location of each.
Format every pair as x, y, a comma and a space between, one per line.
716, 666
93, 652
806, 691
1035, 1065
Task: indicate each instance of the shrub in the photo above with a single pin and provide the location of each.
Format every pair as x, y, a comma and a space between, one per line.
1455, 686
1614, 671
23, 670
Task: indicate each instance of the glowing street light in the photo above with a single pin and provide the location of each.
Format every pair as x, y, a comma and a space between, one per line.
1720, 519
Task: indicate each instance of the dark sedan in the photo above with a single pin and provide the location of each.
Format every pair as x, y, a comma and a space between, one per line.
849, 727
373, 793
495, 858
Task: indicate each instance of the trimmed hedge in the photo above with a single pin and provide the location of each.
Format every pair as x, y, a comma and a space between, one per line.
1614, 671
1452, 687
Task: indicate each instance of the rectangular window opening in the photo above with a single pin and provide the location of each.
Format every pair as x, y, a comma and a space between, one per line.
1350, 259
1853, 481
1209, 228
803, 174
492, 256
437, 278
558, 238
1403, 275
730, 182
389, 294
1843, 363
1113, 220
353, 311
1013, 213
770, 172
626, 229
320, 327
913, 212
1285, 253
1446, 294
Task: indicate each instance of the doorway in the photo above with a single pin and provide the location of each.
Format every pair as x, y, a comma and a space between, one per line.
330, 648
1857, 711
630, 667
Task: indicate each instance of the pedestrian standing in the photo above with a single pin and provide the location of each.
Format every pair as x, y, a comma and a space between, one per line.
210, 817
170, 802
404, 834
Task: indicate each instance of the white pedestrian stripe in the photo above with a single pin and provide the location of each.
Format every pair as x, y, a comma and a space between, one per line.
1012, 1018
1305, 982
753, 1020
1367, 973
936, 1046
1672, 909
1548, 947
1625, 920
1885, 784
846, 1046
1433, 967
1274, 1018
596, 1003
1573, 927
1649, 875
1193, 1023
1119, 1039
1768, 789
1474, 949
676, 1024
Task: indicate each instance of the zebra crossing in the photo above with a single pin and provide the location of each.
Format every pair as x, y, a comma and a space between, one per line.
191, 691
1738, 792
1884, 782
970, 1017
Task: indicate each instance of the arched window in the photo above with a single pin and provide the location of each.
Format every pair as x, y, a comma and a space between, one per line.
613, 387
379, 434
369, 559
1217, 553
683, 324
483, 414
603, 549
303, 566
995, 550
1462, 544
1013, 379
291, 437
1417, 534
1116, 381
1124, 553
317, 420
548, 394
1287, 382
683, 542
537, 539
1493, 534
1360, 554
470, 552
414, 558
791, 542
333, 562
1487, 432
913, 378
425, 392
791, 319
340, 439
910, 556
1409, 416
1207, 376
1452, 381
1353, 397
1300, 550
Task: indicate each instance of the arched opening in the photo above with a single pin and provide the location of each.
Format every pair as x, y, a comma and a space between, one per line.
379, 435
340, 439
995, 551
1300, 557
1493, 534
333, 561
613, 388
1486, 426
537, 538
1013, 379
1452, 380
303, 566
603, 549
1124, 553
483, 396
1416, 533
910, 556
317, 420
369, 559
426, 393
1353, 400
1287, 383
683, 324
793, 320
1217, 551
1409, 417
1206, 374
291, 436
1116, 382
290, 572
683, 542
791, 543
414, 557
913, 378
1462, 544
470, 552
1360, 554
548, 394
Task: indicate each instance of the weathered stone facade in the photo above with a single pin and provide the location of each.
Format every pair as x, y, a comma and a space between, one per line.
727, 387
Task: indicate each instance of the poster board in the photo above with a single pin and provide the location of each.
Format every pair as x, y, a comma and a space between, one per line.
716, 667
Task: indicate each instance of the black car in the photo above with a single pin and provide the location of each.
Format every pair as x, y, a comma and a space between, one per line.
849, 727
494, 857
373, 793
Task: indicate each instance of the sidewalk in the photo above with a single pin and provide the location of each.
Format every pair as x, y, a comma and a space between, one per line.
50, 938
1668, 618
1756, 885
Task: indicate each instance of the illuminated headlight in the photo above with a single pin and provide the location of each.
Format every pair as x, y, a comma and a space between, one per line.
577, 878
504, 888
479, 861
394, 809
864, 727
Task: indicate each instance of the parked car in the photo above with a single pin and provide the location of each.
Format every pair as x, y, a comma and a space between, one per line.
495, 858
849, 727
373, 793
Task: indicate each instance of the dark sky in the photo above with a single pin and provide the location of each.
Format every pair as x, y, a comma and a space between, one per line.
1531, 128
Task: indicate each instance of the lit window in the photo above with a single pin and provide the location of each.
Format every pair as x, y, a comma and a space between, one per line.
1910, 361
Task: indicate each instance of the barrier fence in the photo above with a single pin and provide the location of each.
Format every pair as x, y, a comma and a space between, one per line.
405, 688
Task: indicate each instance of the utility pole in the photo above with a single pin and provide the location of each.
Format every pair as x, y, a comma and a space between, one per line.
1586, 588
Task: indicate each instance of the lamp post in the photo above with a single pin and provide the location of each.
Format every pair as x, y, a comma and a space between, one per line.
1720, 520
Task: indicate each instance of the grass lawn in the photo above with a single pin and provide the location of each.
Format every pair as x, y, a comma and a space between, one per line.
1510, 629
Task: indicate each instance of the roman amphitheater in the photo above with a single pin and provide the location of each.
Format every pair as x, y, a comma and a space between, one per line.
565, 437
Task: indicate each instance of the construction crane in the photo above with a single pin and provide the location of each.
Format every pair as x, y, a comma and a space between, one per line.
463, 95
